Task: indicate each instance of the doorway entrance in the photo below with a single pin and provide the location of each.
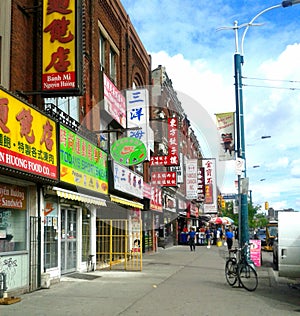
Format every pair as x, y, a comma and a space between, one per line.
68, 240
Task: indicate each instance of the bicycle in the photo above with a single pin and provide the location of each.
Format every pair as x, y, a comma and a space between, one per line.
90, 265
241, 269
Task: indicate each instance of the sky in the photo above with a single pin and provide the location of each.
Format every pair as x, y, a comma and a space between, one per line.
185, 37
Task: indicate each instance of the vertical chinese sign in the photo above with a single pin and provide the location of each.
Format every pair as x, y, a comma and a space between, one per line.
210, 201
27, 138
114, 102
61, 72
172, 159
137, 103
82, 163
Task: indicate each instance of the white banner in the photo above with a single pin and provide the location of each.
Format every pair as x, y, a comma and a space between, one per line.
191, 179
225, 126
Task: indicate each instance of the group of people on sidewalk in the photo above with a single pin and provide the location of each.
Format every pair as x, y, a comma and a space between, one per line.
211, 237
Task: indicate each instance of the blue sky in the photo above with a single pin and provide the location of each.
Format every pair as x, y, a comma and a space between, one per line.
182, 36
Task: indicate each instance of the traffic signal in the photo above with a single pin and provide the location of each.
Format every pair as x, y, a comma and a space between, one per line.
223, 204
266, 206
219, 201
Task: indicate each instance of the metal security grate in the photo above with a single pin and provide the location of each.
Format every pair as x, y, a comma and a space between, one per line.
115, 245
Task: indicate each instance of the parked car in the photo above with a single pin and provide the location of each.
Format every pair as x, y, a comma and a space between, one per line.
275, 254
261, 235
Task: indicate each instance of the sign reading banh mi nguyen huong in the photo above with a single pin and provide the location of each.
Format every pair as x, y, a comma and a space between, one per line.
82, 163
27, 138
61, 42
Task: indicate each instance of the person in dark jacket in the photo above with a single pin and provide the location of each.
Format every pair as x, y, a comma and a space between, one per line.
192, 235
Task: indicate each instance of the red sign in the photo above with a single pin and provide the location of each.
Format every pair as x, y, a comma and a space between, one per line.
156, 199
172, 158
164, 179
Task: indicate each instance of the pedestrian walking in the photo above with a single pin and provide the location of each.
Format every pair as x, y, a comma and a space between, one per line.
208, 236
192, 235
229, 238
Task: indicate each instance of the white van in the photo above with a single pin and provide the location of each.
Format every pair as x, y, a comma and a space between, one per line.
288, 247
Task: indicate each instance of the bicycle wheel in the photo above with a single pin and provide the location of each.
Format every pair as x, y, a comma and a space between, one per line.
231, 271
247, 276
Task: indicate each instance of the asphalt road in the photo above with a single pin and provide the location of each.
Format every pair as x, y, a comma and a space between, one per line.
174, 281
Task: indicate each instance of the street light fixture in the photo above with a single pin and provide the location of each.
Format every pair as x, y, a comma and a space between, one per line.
238, 62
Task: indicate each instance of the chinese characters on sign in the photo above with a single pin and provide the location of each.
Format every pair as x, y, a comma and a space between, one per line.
27, 138
82, 163
127, 181
156, 198
201, 184
137, 102
210, 201
164, 179
114, 102
59, 46
172, 158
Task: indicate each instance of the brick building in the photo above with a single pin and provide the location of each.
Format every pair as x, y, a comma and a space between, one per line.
63, 66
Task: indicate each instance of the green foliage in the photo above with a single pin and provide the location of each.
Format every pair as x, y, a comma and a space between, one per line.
255, 219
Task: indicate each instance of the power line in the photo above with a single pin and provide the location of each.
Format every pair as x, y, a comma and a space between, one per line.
264, 79
270, 87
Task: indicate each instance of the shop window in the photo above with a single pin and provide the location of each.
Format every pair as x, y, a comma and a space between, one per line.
12, 230
69, 105
85, 234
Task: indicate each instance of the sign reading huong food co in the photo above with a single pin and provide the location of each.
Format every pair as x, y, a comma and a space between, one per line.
27, 138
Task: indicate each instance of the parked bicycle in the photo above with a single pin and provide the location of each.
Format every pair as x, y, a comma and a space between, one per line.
239, 268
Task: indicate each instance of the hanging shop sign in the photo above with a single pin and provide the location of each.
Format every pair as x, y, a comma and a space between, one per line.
210, 201
128, 151
127, 181
164, 178
191, 179
12, 197
114, 102
62, 65
27, 138
156, 199
137, 105
82, 163
172, 158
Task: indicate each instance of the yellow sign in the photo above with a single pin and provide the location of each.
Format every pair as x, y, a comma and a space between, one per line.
59, 45
27, 138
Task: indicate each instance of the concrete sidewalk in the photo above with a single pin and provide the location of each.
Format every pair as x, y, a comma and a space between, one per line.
174, 281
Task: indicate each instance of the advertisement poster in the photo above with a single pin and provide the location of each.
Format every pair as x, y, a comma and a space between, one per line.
255, 252
225, 126
82, 163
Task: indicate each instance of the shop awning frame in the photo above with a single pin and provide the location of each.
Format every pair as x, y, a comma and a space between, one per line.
75, 196
120, 200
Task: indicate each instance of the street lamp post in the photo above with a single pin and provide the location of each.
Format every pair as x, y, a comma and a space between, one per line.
238, 62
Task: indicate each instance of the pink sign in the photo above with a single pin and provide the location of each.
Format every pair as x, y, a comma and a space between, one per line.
255, 252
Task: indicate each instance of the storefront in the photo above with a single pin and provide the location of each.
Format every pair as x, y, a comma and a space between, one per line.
28, 159
69, 230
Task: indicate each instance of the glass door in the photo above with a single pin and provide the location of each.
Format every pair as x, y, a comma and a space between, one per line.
68, 240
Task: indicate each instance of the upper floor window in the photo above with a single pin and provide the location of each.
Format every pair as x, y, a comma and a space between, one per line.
113, 66
102, 52
69, 105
